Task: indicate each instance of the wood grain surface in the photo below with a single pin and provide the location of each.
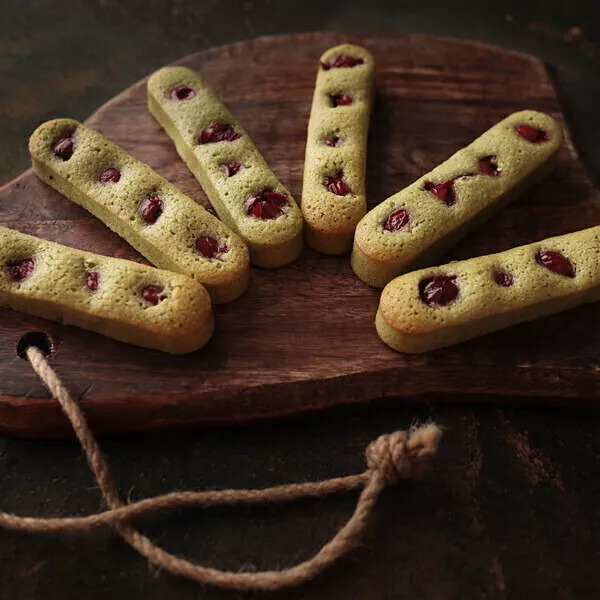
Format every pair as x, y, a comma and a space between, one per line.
302, 337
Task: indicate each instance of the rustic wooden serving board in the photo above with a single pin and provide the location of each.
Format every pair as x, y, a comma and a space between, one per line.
303, 337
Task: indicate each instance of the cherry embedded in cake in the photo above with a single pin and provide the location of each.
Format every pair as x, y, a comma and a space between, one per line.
341, 61
182, 92
92, 280
150, 209
503, 278
439, 290
555, 262
444, 191
488, 165
19, 270
218, 132
267, 204
340, 100
64, 147
152, 293
336, 184
397, 221
232, 168
532, 134
210, 248
333, 141
110, 175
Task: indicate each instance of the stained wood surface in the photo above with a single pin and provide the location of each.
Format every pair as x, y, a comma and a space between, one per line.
303, 337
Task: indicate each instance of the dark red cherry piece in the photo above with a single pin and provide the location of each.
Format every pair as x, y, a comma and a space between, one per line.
265, 210
398, 220
19, 270
152, 293
504, 279
92, 280
267, 204
439, 290
151, 209
210, 247
232, 169
333, 141
340, 100
556, 262
336, 184
444, 191
341, 61
65, 147
532, 134
218, 132
182, 92
110, 175
488, 166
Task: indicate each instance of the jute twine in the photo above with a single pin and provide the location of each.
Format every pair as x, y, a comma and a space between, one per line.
399, 455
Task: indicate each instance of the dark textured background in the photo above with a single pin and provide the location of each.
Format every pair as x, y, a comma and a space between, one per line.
512, 509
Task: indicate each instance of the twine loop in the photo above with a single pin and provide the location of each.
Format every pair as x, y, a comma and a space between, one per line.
398, 455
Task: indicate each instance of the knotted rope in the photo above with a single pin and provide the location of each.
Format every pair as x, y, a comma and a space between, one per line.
399, 455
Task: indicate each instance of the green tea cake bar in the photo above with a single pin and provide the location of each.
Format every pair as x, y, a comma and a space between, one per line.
121, 299
219, 152
333, 190
441, 306
412, 228
167, 227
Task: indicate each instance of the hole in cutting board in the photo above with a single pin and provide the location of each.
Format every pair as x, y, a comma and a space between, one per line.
39, 339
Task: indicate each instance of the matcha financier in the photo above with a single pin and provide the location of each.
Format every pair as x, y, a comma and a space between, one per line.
246, 194
412, 228
121, 299
440, 306
333, 190
163, 224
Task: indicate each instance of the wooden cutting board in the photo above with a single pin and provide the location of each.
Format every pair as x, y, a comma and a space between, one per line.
303, 337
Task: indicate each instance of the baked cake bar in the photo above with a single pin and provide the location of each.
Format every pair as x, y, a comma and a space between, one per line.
412, 228
121, 299
441, 306
163, 224
246, 194
333, 190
